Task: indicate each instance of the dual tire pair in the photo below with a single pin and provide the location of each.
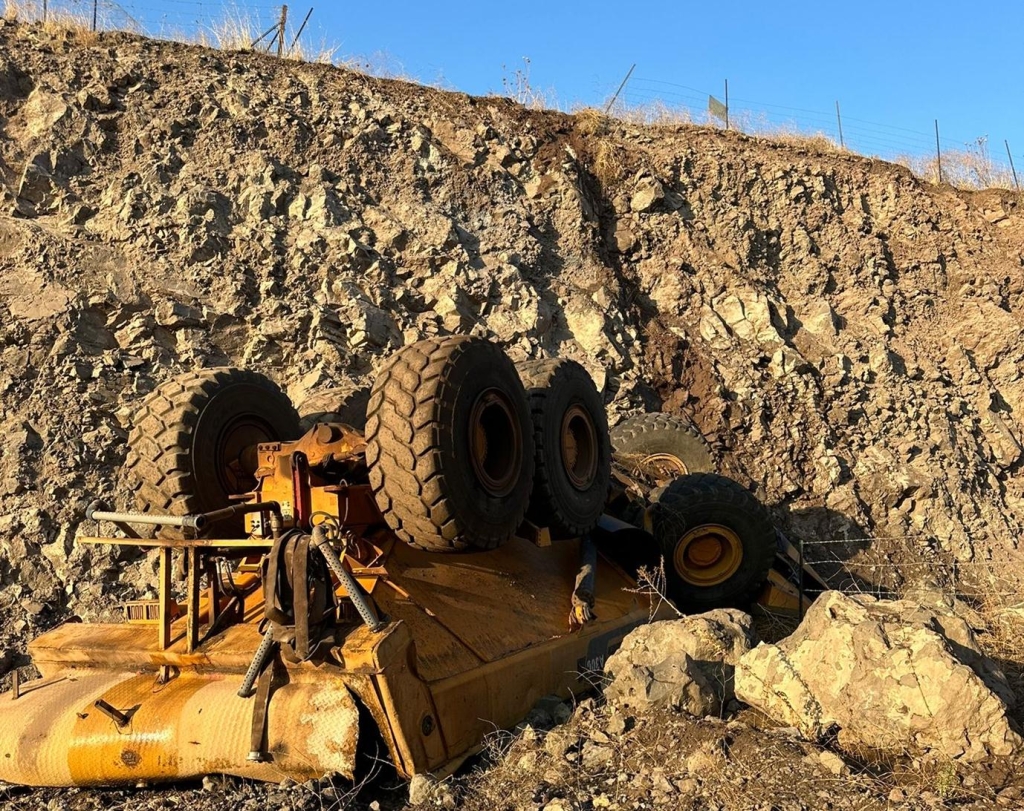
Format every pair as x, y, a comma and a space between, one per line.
462, 445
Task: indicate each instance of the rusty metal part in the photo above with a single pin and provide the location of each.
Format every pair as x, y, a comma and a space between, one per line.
708, 555
122, 719
662, 467
583, 592
495, 442
579, 447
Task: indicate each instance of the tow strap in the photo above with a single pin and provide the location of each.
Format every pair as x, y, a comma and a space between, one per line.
299, 600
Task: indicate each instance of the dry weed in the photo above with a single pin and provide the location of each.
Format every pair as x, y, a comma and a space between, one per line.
59, 21
608, 166
969, 168
591, 121
518, 87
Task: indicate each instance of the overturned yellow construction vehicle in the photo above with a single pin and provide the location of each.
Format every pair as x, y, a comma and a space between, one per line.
302, 601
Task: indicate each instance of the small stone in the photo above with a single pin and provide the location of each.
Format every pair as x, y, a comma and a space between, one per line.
421, 789
648, 193
832, 762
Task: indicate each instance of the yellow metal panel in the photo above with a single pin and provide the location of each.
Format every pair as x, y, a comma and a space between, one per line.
192, 726
504, 600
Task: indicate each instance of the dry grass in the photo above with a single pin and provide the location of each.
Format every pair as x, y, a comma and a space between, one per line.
591, 121
518, 87
969, 168
59, 20
608, 166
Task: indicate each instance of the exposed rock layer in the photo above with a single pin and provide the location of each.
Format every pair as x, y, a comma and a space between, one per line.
848, 335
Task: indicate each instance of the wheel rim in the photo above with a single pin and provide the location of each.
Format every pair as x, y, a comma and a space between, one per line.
495, 442
708, 555
663, 466
238, 436
579, 447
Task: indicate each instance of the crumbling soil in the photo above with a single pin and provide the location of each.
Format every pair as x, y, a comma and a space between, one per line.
846, 334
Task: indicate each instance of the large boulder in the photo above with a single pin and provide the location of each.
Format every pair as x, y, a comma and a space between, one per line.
888, 676
686, 664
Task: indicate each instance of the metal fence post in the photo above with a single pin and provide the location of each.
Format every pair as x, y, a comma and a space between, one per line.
1012, 169
938, 150
611, 103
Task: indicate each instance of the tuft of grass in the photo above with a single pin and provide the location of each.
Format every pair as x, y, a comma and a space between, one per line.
61, 21
608, 166
591, 121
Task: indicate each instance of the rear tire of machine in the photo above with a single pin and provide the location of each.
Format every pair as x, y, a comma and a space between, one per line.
449, 444
644, 439
573, 453
188, 432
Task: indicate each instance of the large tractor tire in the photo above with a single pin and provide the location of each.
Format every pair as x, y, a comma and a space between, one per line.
344, 404
188, 436
449, 444
661, 446
573, 454
717, 540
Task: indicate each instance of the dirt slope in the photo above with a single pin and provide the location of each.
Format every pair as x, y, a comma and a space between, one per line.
848, 335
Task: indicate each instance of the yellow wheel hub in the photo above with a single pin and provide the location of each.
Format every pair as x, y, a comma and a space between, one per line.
662, 467
708, 555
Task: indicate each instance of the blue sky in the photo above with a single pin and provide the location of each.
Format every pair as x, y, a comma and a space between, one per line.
893, 66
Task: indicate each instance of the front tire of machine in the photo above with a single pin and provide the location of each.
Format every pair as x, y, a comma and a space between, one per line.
449, 444
573, 454
186, 438
661, 446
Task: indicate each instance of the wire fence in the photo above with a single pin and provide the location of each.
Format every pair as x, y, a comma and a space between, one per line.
876, 566
215, 22
973, 162
970, 163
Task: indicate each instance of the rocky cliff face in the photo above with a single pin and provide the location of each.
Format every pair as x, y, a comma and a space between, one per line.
848, 335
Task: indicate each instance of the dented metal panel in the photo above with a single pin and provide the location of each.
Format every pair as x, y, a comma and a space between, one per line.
55, 735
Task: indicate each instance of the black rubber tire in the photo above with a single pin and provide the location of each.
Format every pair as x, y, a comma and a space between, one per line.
707, 498
419, 447
647, 434
555, 386
176, 448
344, 404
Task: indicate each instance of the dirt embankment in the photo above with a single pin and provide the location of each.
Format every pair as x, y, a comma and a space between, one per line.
848, 335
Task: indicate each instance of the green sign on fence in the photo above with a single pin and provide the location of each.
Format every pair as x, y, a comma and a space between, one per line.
717, 109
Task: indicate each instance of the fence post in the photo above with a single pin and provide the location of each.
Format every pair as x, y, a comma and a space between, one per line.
1012, 169
839, 121
612, 102
800, 579
938, 150
301, 29
44, 10
95, 5
280, 31
727, 104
